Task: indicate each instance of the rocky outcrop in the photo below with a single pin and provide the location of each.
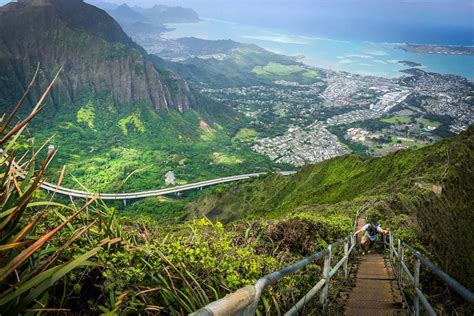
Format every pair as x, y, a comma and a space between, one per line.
97, 57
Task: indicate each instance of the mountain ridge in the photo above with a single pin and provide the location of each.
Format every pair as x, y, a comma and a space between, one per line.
157, 15
95, 53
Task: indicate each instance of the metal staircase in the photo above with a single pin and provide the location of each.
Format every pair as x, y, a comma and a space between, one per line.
244, 301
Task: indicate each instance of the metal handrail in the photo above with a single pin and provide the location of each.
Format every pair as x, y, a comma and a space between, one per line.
454, 284
414, 277
363, 208
244, 301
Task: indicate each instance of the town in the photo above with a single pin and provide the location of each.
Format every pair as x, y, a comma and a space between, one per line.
341, 113
299, 146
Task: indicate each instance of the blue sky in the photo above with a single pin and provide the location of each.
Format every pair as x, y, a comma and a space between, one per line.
423, 21
444, 11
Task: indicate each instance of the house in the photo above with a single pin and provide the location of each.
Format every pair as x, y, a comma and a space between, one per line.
170, 178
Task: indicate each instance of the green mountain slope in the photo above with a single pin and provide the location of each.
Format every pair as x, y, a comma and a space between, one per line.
425, 195
232, 64
119, 121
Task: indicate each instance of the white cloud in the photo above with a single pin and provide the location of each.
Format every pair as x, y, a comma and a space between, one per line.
278, 38
377, 53
360, 56
346, 61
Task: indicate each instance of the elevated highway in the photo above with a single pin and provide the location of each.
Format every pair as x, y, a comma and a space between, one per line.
142, 194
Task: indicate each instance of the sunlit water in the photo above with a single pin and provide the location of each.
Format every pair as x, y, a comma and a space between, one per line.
366, 58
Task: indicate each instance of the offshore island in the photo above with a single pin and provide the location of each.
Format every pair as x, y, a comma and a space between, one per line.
438, 49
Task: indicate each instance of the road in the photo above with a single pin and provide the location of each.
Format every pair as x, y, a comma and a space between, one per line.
138, 195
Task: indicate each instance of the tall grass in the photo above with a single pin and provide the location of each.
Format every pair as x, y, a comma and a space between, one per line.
30, 263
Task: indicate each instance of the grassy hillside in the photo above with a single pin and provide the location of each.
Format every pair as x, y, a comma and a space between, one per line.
399, 187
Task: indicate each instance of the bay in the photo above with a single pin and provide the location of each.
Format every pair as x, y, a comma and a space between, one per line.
361, 57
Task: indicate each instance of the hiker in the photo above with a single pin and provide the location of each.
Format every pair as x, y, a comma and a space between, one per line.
371, 231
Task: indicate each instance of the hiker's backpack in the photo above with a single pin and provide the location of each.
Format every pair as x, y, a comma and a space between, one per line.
372, 229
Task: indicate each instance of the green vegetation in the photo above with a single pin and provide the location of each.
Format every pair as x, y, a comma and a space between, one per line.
107, 142
408, 142
246, 65
246, 135
173, 256
132, 121
398, 119
445, 121
312, 73
86, 115
34, 241
86, 260
161, 209
395, 187
430, 123
111, 148
406, 119
291, 72
117, 50
222, 158
277, 69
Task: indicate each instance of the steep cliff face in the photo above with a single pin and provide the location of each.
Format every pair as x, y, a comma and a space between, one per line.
97, 57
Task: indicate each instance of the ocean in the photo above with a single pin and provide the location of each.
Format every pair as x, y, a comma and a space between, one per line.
355, 56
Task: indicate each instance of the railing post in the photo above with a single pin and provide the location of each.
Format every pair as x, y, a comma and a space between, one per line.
400, 262
326, 270
346, 254
390, 240
416, 300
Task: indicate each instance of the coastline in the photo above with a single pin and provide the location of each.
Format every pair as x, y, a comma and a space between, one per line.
364, 58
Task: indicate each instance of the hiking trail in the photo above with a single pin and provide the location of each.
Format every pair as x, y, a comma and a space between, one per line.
376, 291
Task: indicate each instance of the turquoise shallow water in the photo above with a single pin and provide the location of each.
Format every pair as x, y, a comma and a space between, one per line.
366, 58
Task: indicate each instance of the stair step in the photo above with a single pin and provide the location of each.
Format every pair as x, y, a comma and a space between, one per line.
364, 311
375, 290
